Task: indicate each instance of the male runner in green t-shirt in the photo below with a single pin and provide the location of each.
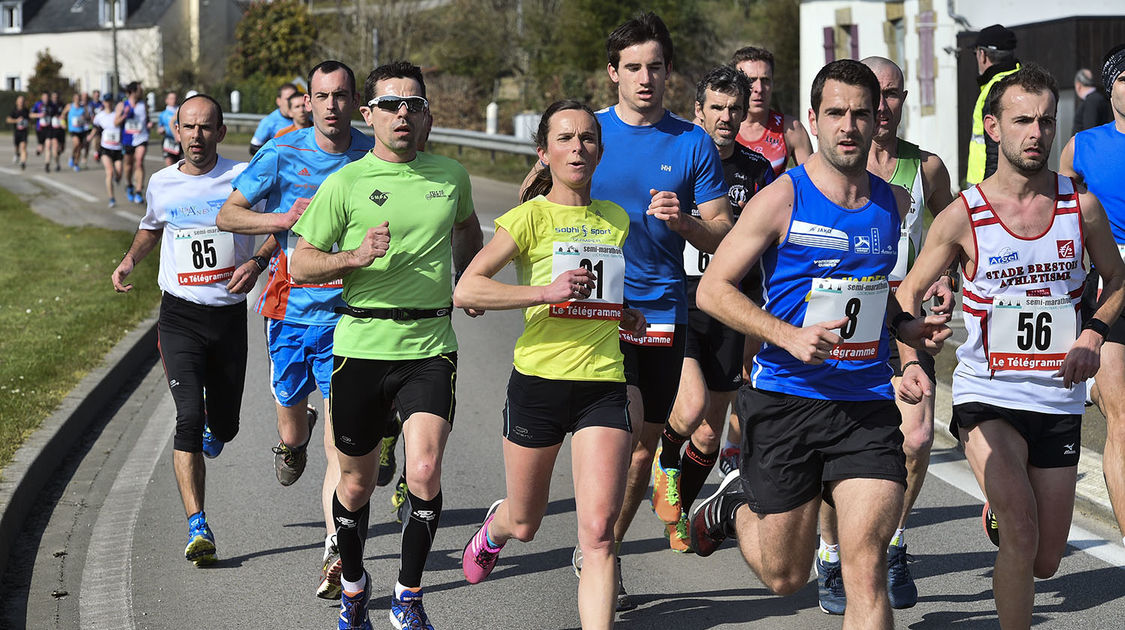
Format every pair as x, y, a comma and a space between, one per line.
923, 174
396, 216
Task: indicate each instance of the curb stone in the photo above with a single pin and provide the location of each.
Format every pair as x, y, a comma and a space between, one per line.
35, 462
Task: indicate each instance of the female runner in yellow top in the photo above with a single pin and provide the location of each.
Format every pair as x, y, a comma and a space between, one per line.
568, 375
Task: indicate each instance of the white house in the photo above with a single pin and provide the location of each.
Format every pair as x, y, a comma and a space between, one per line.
932, 41
153, 37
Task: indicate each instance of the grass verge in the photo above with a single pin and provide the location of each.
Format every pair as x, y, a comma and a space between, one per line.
504, 167
59, 315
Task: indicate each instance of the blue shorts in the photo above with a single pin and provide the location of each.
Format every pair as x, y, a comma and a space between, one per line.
300, 360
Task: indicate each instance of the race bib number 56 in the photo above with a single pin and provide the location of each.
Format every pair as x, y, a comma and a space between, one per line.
865, 306
1031, 333
203, 256
607, 264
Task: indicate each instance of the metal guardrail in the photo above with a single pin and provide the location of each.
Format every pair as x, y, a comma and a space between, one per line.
443, 135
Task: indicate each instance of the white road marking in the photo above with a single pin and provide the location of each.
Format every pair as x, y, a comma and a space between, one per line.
958, 475
84, 196
105, 600
127, 215
9, 171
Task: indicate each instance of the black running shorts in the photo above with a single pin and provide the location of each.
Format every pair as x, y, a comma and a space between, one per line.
1053, 440
365, 393
718, 350
656, 371
540, 412
793, 447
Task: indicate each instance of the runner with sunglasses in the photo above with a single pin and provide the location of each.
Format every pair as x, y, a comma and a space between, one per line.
400, 221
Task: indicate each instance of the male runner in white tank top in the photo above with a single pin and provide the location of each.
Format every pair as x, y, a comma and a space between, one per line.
1018, 389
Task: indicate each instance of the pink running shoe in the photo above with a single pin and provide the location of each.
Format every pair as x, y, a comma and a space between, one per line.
479, 557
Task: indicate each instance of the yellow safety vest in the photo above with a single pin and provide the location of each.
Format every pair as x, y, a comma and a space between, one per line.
974, 168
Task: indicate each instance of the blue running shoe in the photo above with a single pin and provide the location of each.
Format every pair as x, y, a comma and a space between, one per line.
900, 584
407, 613
830, 587
212, 445
200, 548
353, 610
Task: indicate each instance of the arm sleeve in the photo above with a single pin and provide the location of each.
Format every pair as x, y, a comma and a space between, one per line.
259, 177
709, 182
517, 222
464, 196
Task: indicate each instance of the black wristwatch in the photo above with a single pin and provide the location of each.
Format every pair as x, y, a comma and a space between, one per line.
897, 321
260, 262
1097, 326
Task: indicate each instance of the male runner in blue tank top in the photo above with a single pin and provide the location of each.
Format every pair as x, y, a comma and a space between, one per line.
819, 418
1094, 158
900, 163
656, 166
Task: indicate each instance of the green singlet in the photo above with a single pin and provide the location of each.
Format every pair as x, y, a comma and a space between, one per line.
576, 340
421, 200
908, 174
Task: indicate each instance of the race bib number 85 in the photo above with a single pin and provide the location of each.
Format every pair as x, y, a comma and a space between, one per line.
203, 256
607, 264
865, 306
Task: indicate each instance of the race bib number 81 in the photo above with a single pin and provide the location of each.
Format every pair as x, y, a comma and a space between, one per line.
607, 264
203, 256
1031, 333
865, 306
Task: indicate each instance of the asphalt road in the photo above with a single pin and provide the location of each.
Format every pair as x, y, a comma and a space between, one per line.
104, 549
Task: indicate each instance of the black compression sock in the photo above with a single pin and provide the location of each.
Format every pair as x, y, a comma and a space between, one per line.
351, 529
418, 530
670, 445
694, 469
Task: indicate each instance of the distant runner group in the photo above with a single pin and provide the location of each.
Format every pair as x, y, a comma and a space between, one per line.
672, 273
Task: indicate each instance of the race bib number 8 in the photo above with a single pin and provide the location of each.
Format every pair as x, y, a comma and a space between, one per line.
1031, 333
203, 256
865, 306
607, 264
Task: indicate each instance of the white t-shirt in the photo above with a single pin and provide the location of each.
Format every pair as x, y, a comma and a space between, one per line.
111, 133
196, 258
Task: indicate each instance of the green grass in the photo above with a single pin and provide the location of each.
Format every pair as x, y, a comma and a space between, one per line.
504, 167
59, 315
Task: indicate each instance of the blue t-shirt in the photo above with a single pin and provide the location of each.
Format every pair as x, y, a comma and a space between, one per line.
673, 155
273, 122
166, 118
1094, 161
286, 171
827, 241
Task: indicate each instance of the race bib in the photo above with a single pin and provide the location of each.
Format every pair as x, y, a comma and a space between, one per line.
171, 147
203, 255
56, 122
655, 335
111, 136
695, 261
22, 124
1031, 333
133, 126
607, 264
865, 306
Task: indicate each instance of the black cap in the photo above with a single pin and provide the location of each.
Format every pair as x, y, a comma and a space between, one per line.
996, 37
